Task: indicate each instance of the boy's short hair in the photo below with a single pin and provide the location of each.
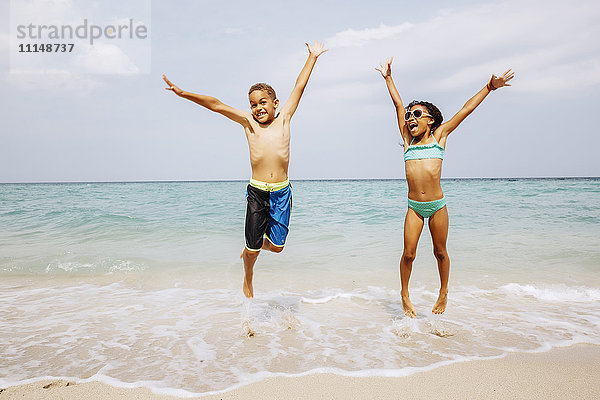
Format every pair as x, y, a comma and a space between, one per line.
265, 87
433, 110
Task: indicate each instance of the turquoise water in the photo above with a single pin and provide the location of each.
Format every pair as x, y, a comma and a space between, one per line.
141, 282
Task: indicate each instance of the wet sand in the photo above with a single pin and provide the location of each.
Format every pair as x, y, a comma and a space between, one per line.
569, 372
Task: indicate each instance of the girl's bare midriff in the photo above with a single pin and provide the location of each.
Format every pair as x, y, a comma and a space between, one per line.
423, 178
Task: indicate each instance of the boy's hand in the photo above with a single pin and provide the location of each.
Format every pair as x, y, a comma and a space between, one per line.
172, 87
317, 49
499, 81
386, 68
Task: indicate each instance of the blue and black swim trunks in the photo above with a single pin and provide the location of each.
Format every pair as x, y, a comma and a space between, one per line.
268, 210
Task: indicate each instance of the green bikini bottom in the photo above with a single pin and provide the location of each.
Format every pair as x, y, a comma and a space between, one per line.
426, 208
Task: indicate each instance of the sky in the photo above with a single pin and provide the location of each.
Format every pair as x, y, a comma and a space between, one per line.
102, 113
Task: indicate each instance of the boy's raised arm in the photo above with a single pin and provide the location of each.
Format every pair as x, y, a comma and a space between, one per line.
386, 71
212, 103
289, 108
495, 82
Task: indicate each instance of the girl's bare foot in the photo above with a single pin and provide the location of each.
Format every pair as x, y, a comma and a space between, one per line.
409, 311
440, 304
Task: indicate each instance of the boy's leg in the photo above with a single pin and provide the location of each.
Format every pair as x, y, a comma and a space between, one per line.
438, 226
249, 258
280, 210
413, 225
267, 245
257, 217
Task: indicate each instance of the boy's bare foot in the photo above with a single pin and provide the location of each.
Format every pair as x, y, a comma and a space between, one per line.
440, 304
248, 289
409, 311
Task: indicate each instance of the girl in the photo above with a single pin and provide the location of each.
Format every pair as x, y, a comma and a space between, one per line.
424, 138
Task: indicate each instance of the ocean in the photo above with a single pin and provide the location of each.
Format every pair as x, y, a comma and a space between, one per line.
139, 284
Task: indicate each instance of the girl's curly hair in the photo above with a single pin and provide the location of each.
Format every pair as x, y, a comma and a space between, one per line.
433, 110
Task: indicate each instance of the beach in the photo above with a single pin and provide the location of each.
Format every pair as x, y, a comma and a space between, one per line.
135, 288
137, 138
562, 373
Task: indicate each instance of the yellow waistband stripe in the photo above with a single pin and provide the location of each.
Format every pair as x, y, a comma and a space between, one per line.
269, 187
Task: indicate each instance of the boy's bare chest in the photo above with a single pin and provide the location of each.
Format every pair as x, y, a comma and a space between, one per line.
269, 137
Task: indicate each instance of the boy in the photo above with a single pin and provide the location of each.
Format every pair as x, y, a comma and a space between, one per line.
269, 196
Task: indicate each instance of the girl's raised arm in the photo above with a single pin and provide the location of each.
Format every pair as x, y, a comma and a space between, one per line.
495, 82
386, 71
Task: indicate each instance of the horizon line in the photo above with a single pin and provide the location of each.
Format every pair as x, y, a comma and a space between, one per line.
300, 179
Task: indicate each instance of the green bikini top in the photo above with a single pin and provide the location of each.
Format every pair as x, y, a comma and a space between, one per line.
421, 151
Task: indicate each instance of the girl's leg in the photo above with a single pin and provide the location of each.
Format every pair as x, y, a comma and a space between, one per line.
413, 225
438, 226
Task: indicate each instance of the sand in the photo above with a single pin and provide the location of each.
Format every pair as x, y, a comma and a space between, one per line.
561, 373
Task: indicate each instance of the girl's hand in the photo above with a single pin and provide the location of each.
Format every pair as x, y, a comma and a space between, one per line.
386, 68
172, 87
317, 49
499, 81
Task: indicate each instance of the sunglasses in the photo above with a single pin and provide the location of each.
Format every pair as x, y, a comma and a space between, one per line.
418, 113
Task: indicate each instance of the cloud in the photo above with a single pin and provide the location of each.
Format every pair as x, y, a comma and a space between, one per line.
551, 45
352, 38
106, 56
102, 58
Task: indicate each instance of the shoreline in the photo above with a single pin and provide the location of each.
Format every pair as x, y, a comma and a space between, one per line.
563, 372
